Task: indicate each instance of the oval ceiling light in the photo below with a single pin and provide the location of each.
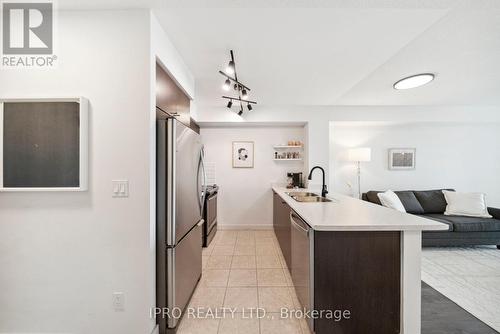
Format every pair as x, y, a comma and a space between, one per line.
414, 81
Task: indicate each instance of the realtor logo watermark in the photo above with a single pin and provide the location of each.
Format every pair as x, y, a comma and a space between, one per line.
28, 35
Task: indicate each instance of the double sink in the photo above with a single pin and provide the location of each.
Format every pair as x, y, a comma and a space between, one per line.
307, 197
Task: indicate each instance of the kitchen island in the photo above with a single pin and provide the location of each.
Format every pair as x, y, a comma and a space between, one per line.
354, 259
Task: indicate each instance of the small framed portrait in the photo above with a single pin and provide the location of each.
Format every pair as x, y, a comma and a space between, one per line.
402, 158
243, 154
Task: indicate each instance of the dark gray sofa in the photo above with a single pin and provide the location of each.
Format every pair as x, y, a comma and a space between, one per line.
462, 231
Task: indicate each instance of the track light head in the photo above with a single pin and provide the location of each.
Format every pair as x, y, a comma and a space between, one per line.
230, 68
236, 87
244, 94
230, 104
226, 85
240, 112
249, 106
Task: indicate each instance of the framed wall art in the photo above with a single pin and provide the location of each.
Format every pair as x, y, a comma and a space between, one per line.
44, 144
402, 158
243, 154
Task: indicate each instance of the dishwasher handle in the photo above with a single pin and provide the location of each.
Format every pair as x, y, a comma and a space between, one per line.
297, 226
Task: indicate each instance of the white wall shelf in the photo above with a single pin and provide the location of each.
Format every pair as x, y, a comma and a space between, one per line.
299, 159
283, 147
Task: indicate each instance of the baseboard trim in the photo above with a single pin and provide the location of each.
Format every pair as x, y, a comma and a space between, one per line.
244, 227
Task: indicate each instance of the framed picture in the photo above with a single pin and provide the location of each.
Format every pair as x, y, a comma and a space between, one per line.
44, 144
402, 158
243, 154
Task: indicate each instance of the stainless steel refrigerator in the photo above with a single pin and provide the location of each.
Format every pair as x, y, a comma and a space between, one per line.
179, 205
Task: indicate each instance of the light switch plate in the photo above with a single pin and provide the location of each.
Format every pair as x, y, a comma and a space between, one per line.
118, 301
120, 188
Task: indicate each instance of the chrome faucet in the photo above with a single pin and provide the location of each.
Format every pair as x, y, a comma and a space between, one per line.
323, 188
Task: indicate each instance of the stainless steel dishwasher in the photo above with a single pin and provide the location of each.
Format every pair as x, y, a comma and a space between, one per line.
302, 271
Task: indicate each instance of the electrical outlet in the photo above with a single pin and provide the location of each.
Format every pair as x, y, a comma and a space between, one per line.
118, 301
120, 188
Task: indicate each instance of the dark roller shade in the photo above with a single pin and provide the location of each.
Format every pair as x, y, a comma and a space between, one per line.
41, 144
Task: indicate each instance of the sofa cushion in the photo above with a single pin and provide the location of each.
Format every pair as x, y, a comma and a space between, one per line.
495, 212
432, 201
473, 224
410, 202
440, 218
466, 224
390, 200
372, 196
466, 204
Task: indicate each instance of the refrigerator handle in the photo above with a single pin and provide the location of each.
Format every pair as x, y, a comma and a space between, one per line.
203, 167
200, 185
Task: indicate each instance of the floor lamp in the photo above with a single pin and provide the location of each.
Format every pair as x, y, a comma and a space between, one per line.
359, 155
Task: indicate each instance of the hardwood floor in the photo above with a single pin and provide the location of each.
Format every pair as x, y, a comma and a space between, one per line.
469, 276
440, 315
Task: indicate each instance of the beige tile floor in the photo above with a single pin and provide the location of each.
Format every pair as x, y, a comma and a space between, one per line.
244, 270
470, 276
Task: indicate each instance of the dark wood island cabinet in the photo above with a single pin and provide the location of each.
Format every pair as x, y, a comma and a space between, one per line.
358, 272
355, 275
281, 225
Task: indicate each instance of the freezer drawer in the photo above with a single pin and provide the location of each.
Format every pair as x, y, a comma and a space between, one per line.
183, 263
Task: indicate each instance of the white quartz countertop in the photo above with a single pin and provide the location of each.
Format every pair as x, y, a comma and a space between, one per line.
345, 213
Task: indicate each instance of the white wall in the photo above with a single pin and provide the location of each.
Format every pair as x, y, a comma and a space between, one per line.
449, 155
62, 255
318, 119
163, 49
245, 198
316, 134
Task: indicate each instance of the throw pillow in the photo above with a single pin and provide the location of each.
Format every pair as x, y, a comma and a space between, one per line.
410, 202
466, 204
432, 201
389, 199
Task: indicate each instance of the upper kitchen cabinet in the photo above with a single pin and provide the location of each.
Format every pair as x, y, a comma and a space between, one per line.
170, 97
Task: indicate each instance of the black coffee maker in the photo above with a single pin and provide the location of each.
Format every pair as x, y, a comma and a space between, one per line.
296, 179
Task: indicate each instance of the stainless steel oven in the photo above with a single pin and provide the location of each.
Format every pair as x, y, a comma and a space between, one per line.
210, 214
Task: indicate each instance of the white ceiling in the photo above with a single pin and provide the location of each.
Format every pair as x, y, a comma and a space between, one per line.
291, 56
463, 49
342, 56
335, 52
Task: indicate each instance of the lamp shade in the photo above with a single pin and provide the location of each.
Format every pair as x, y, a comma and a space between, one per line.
362, 154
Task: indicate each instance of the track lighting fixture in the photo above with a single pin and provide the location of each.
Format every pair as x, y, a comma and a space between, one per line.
239, 87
